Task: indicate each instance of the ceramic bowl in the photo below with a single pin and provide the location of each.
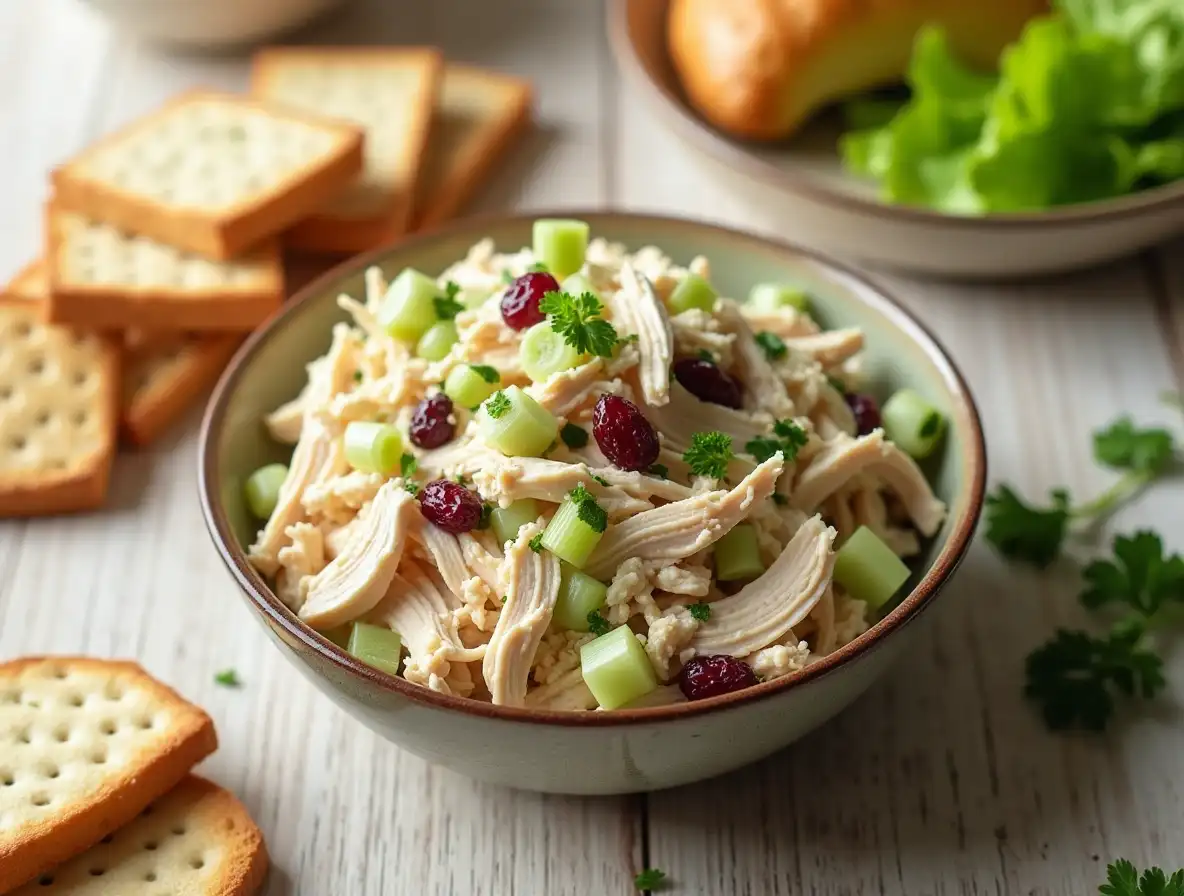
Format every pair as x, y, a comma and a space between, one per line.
208, 24
800, 191
628, 750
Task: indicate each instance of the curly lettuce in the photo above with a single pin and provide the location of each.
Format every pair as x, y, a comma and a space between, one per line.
1086, 105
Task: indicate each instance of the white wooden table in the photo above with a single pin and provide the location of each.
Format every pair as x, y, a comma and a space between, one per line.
940, 780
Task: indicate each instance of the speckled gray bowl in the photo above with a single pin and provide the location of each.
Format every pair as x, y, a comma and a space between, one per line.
629, 750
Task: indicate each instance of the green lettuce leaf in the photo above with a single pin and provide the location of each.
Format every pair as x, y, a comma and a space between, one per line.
1087, 105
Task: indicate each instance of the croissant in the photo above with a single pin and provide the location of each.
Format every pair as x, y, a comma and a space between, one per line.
758, 69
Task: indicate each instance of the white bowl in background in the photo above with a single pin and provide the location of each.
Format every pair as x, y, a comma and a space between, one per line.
209, 23
805, 196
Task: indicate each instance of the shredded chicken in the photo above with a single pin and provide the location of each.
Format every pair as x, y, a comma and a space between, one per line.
765, 610
506, 480
532, 585
831, 348
360, 575
638, 311
668, 641
779, 660
788, 323
764, 390
677, 530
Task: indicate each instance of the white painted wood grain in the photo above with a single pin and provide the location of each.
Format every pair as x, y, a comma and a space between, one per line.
939, 781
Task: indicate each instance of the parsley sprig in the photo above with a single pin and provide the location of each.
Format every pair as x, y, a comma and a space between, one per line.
771, 344
1036, 534
788, 437
650, 879
447, 307
1123, 879
709, 454
228, 678
597, 624
578, 320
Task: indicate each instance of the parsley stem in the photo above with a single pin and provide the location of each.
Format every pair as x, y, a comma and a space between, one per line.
1109, 500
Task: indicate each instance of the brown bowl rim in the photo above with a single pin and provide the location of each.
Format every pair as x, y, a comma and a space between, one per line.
276, 614
693, 129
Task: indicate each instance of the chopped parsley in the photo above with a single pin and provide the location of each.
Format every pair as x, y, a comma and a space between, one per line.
705, 355
1122, 879
228, 678
601, 480
709, 454
771, 344
573, 436
587, 510
487, 373
407, 465
650, 879
486, 511
660, 470
788, 437
597, 624
357, 376
837, 384
700, 611
412, 488
577, 319
536, 543
497, 404
447, 307
628, 340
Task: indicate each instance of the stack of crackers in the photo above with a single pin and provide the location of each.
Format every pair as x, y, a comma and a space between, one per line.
164, 241
96, 791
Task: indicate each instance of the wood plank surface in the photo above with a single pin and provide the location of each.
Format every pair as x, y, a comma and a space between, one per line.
941, 780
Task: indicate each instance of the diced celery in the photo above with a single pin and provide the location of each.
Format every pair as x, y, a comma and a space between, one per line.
515, 424
376, 646
469, 386
544, 352
474, 298
913, 423
579, 595
560, 244
262, 490
578, 284
439, 338
738, 555
692, 291
373, 447
616, 668
868, 569
506, 521
772, 296
408, 310
570, 538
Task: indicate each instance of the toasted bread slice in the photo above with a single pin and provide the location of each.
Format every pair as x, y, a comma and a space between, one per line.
479, 115
213, 173
164, 380
104, 278
58, 393
196, 840
390, 92
88, 744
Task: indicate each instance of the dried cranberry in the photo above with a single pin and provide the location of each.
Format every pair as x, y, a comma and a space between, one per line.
520, 301
450, 506
707, 382
866, 411
623, 434
710, 676
430, 426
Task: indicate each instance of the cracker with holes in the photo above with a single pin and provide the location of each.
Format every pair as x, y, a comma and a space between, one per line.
59, 390
211, 172
479, 115
163, 373
88, 744
105, 278
390, 92
197, 840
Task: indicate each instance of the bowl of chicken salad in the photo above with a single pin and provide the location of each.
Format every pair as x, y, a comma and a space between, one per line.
638, 496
